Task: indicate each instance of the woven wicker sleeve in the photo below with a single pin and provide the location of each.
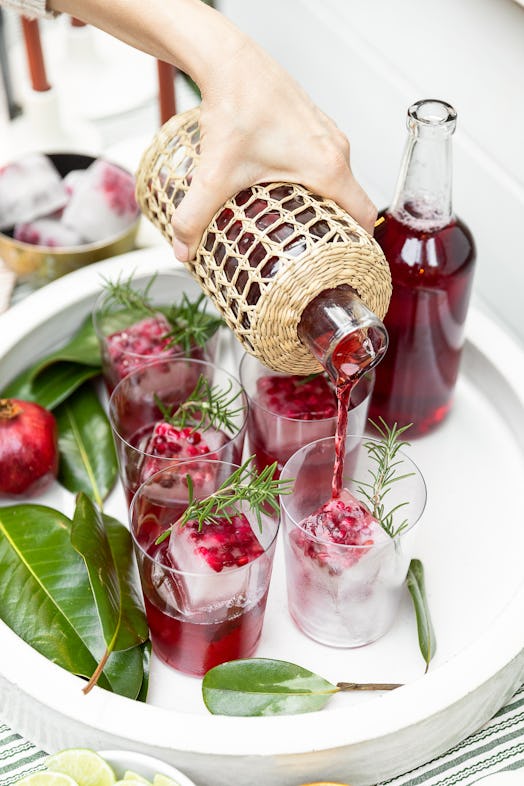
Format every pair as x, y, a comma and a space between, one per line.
267, 252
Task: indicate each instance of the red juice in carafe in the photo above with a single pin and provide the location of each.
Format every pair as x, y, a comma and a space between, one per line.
432, 280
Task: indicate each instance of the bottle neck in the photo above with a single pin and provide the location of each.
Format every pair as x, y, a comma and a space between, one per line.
423, 197
342, 333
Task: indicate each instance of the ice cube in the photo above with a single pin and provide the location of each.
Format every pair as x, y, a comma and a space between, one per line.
103, 202
47, 232
130, 348
212, 563
29, 188
72, 180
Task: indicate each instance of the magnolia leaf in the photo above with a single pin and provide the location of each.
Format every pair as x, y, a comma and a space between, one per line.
261, 686
52, 386
146, 660
426, 635
107, 557
87, 452
46, 598
83, 348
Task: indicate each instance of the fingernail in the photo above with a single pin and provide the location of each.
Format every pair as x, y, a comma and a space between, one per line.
181, 250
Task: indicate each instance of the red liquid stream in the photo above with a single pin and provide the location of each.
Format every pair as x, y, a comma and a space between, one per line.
432, 275
344, 388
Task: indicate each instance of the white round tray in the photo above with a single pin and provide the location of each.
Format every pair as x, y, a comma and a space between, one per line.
471, 541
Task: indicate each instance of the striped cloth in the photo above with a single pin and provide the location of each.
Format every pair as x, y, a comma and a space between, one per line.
497, 746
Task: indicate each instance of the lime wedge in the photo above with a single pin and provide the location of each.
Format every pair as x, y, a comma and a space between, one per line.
129, 775
85, 766
47, 779
163, 780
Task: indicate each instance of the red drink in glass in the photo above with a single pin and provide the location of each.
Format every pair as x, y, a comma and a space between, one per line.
288, 411
205, 589
145, 442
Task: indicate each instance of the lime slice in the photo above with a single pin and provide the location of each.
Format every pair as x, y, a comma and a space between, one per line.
85, 766
129, 775
163, 780
132, 782
47, 779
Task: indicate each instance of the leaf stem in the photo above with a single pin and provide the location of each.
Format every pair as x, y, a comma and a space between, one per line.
347, 686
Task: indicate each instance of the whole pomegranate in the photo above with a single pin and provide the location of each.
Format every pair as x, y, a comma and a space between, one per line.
28, 447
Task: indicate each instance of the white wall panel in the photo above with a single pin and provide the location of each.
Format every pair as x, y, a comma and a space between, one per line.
365, 61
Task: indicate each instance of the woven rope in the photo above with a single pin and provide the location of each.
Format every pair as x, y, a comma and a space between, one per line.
267, 252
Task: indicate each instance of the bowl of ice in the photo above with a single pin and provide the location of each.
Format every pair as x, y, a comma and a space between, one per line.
61, 211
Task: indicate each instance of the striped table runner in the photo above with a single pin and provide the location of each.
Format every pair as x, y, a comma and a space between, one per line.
498, 745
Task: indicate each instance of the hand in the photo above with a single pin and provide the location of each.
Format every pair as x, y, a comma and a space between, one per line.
258, 125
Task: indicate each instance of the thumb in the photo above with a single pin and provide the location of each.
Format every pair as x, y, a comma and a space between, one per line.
190, 219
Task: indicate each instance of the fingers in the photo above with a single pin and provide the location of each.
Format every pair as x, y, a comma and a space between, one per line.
203, 199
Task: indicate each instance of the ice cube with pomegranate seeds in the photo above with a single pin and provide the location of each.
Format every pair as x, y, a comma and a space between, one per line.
339, 534
30, 188
294, 396
103, 203
171, 442
131, 347
49, 232
222, 547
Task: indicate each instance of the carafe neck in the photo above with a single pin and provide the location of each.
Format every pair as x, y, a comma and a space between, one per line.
342, 333
423, 194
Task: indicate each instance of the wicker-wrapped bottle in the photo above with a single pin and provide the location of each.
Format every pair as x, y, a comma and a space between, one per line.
297, 280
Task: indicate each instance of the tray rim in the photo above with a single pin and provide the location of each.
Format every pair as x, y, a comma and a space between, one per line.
459, 681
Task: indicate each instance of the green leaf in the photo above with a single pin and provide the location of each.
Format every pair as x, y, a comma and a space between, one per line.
105, 546
125, 672
52, 386
45, 597
83, 348
87, 452
260, 686
146, 659
426, 635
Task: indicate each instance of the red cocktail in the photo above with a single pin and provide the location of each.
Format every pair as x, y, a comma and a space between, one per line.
205, 586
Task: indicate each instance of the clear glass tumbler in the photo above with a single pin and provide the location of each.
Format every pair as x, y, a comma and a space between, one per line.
130, 337
288, 411
205, 590
145, 444
345, 575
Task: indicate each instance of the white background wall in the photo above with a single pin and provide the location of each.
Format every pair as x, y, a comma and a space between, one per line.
365, 61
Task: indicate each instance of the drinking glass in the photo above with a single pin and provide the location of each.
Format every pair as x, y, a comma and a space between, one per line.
338, 594
287, 411
128, 339
135, 408
205, 590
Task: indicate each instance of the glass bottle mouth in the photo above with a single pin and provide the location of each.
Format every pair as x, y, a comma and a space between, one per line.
430, 113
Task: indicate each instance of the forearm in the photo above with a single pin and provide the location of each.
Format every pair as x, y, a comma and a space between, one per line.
187, 33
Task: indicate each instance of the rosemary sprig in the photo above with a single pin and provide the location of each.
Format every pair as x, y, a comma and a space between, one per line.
205, 407
190, 324
257, 490
383, 453
122, 293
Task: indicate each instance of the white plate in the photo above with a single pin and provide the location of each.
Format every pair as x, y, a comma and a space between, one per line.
471, 542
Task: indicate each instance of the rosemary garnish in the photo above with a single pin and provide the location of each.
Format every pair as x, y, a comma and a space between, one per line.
205, 407
190, 324
257, 490
384, 453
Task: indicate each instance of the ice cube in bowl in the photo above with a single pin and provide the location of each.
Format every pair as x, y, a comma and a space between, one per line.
38, 264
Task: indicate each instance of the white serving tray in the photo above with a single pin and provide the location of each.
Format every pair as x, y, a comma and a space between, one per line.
471, 541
